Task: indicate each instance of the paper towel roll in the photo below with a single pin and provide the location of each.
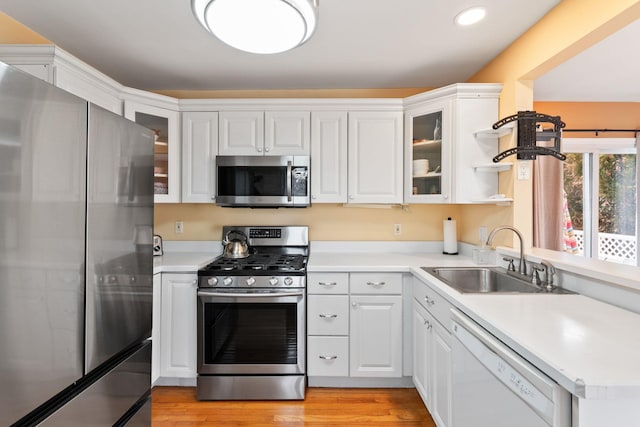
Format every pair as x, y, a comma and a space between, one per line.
450, 237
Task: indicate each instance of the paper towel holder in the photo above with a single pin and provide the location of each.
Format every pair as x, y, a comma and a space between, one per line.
450, 239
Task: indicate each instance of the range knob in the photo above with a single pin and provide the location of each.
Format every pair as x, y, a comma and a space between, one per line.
227, 281
213, 281
273, 281
251, 281
288, 281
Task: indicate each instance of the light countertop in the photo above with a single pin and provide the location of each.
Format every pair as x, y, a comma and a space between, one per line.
181, 262
589, 347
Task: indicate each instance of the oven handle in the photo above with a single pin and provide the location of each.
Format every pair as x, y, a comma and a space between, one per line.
249, 295
289, 184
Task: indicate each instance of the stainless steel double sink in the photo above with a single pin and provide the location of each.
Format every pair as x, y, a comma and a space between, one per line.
486, 280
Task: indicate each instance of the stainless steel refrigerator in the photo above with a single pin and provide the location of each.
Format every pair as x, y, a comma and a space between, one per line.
76, 218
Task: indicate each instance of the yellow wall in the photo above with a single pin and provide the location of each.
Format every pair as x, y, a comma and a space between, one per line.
13, 32
326, 221
568, 29
594, 115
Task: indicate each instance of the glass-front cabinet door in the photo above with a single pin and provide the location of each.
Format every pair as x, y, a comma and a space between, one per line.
428, 168
166, 170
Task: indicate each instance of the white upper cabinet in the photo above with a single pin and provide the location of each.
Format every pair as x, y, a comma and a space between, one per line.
428, 158
375, 157
56, 66
199, 149
329, 157
287, 133
241, 133
442, 154
166, 124
256, 133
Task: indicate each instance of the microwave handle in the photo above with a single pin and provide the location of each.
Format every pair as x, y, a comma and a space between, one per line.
289, 178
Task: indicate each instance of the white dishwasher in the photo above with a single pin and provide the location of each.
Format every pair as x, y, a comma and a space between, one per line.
493, 386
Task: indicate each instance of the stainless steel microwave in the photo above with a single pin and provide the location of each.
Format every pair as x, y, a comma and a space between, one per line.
262, 181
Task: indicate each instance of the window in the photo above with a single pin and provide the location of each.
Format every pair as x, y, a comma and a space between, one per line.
600, 182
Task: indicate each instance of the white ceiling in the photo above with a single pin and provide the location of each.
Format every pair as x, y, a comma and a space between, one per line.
151, 44
607, 71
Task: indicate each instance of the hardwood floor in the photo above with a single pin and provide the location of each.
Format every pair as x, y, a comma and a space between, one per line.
178, 407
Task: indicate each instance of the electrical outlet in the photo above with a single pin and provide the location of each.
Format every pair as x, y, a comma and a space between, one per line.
524, 171
179, 227
397, 229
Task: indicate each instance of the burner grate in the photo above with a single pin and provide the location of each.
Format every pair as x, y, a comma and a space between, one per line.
260, 262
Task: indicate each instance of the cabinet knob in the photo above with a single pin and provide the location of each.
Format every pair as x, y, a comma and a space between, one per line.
351, 197
259, 149
354, 304
445, 196
266, 149
313, 197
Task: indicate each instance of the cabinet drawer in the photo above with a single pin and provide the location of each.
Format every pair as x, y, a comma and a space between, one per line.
328, 356
376, 283
328, 283
328, 315
439, 307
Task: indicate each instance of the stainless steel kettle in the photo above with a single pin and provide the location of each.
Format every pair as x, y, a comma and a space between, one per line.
237, 246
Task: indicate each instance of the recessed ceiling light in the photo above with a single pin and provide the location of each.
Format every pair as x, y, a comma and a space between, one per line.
470, 16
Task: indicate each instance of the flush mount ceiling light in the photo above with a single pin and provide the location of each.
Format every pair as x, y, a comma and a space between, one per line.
470, 16
258, 26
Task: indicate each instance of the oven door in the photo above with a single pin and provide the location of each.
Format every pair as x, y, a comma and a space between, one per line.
267, 181
251, 331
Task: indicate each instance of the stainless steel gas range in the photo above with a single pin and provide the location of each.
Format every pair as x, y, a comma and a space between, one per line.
251, 318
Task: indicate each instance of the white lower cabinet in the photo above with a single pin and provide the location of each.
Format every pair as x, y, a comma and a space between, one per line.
432, 352
178, 326
354, 323
328, 356
328, 325
421, 348
441, 379
376, 336
155, 327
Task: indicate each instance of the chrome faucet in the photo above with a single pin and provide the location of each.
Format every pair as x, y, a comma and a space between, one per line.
522, 266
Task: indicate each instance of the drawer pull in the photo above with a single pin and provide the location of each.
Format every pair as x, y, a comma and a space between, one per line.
429, 301
327, 283
328, 357
376, 283
328, 316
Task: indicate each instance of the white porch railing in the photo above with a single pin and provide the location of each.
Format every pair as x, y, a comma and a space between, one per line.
612, 247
